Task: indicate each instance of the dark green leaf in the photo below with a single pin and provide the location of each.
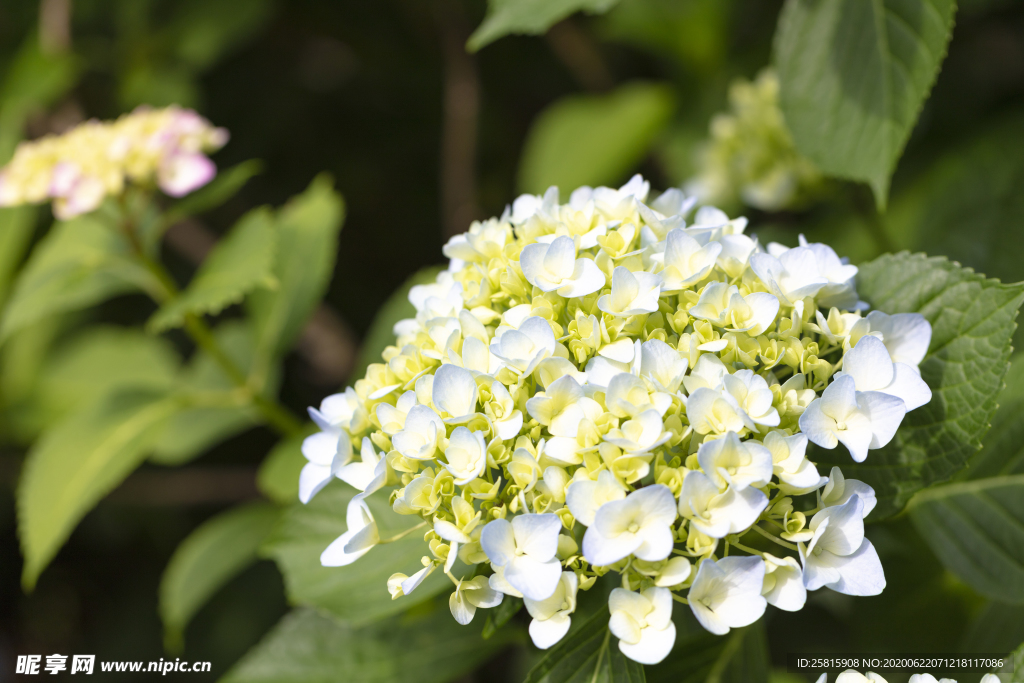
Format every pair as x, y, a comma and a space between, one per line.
204, 30
426, 647
397, 307
240, 263
854, 76
194, 429
972, 322
212, 555
357, 593
78, 462
34, 81
997, 627
80, 263
308, 229
741, 656
16, 227
529, 16
501, 615
593, 139
976, 529
222, 188
278, 476
588, 653
1003, 449
1012, 670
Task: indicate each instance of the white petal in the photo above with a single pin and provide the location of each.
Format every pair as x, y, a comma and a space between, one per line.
653, 647
537, 534
885, 413
548, 632
312, 478
534, 579
600, 551
908, 386
587, 278
860, 573
454, 391
498, 541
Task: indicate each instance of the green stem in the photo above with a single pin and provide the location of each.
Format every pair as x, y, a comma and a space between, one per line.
274, 413
399, 536
772, 538
679, 598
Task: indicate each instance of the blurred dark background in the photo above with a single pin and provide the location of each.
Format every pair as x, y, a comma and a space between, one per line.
421, 138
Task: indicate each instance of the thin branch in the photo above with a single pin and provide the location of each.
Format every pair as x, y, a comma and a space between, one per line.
461, 114
54, 26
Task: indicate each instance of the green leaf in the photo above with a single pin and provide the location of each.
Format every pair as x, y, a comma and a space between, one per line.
972, 322
426, 647
278, 476
997, 627
587, 653
357, 593
854, 75
1012, 670
33, 81
308, 228
193, 430
1003, 449
202, 31
240, 263
100, 360
78, 462
212, 555
222, 188
531, 17
80, 263
976, 529
594, 139
501, 615
381, 333
742, 656
16, 227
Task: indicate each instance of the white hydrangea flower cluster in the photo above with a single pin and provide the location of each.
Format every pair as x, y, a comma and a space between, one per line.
852, 676
81, 167
604, 386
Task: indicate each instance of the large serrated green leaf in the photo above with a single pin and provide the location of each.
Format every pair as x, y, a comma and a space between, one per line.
241, 262
78, 264
976, 529
972, 322
78, 462
1003, 449
212, 555
529, 16
593, 139
193, 430
854, 75
426, 647
308, 227
587, 654
357, 593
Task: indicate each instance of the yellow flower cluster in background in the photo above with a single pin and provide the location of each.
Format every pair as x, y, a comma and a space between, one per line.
751, 156
79, 168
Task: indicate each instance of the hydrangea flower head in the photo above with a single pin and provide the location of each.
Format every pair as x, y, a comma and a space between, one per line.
616, 385
79, 168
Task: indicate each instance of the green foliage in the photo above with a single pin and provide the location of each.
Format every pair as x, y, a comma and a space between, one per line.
278, 476
976, 529
501, 615
217, 410
700, 657
594, 139
397, 307
34, 80
588, 652
78, 462
854, 77
1003, 449
426, 647
529, 16
212, 555
222, 188
79, 263
239, 263
16, 227
308, 228
967, 204
972, 322
998, 627
1013, 671
98, 361
358, 592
